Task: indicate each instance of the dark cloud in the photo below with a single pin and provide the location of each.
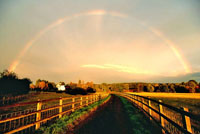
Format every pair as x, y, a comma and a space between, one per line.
182, 78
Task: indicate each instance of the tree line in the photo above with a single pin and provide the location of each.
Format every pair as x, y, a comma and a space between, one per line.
12, 85
46, 86
185, 87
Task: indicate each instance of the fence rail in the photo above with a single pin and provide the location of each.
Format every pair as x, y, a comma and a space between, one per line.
169, 118
42, 114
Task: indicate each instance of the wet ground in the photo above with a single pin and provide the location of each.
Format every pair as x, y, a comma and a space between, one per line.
113, 119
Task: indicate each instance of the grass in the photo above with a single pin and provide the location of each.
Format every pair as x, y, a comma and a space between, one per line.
61, 124
46, 95
141, 125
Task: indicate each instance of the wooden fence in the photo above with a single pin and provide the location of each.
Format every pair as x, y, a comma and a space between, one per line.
42, 113
172, 120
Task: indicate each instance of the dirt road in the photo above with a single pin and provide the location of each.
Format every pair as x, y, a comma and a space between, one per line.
112, 119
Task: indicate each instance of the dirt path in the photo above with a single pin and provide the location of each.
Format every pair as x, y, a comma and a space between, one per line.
112, 119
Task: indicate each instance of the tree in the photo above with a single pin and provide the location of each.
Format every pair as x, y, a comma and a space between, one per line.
181, 89
165, 88
37, 83
172, 88
32, 86
11, 85
90, 90
193, 81
140, 87
150, 88
76, 90
42, 85
52, 86
8, 75
192, 85
145, 88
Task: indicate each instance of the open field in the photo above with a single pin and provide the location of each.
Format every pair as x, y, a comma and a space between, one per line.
46, 95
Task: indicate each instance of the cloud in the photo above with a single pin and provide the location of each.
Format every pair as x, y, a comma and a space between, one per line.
180, 78
119, 68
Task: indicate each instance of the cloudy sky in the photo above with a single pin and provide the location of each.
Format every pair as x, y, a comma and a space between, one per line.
101, 41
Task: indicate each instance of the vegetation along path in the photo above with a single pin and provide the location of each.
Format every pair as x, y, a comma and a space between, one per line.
118, 116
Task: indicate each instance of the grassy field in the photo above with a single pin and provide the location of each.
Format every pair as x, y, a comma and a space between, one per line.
46, 95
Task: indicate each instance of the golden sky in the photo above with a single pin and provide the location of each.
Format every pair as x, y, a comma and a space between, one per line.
101, 41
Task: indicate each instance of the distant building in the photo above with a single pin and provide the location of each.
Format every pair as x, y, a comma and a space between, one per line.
60, 87
81, 84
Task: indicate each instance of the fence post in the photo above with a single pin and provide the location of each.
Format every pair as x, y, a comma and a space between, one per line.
38, 115
4, 100
96, 97
150, 109
161, 118
81, 101
60, 108
73, 100
142, 103
133, 96
99, 96
186, 121
87, 101
136, 100
93, 98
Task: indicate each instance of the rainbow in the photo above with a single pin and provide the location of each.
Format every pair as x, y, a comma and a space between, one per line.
172, 46
60, 21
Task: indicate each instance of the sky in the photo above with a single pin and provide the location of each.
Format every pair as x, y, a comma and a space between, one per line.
101, 41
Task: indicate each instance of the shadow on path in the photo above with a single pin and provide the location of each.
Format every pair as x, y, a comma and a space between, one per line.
113, 119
